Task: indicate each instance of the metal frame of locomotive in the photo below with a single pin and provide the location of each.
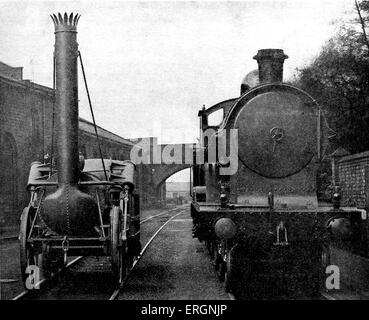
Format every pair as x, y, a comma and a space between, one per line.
84, 207
263, 225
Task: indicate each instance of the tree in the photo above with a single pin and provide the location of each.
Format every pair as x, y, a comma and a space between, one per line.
360, 8
339, 80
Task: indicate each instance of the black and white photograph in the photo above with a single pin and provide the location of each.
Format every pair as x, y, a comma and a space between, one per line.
184, 154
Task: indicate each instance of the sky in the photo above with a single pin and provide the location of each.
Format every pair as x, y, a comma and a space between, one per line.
152, 65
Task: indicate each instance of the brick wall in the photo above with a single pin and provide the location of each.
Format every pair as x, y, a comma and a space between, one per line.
354, 179
24, 106
25, 136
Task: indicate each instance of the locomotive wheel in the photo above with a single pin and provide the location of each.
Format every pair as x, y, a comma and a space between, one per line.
326, 257
117, 247
222, 271
235, 267
320, 276
209, 248
314, 282
28, 256
222, 266
229, 275
217, 257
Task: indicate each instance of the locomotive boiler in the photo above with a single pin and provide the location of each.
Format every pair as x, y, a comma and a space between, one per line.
266, 231
83, 206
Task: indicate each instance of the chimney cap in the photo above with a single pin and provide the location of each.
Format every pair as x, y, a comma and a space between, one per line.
65, 23
270, 54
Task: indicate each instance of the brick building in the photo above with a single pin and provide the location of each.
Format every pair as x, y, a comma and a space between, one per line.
353, 179
25, 136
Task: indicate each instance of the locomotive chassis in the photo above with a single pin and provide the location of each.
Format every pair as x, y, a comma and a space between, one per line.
255, 264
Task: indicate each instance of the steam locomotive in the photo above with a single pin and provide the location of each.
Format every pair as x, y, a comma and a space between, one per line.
85, 206
266, 231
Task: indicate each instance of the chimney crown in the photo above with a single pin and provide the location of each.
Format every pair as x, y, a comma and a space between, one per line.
65, 23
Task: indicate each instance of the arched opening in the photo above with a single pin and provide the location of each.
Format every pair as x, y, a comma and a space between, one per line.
177, 188
8, 176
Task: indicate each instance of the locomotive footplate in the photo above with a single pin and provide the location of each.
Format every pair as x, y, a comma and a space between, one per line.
281, 226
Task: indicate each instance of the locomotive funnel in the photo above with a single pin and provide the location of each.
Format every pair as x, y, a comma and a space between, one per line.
270, 63
66, 106
68, 210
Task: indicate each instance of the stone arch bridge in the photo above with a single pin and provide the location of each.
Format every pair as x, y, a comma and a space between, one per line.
159, 162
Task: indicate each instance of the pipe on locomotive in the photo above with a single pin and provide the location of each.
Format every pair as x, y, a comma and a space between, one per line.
68, 211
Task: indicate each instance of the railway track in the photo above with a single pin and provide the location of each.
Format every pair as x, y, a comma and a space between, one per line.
345, 295
117, 291
44, 283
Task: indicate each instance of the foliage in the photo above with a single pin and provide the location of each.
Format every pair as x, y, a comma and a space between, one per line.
339, 80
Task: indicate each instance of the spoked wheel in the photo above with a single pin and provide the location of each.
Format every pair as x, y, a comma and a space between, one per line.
118, 246
28, 255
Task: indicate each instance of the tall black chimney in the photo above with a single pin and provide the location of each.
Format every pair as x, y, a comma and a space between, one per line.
68, 211
270, 63
66, 108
